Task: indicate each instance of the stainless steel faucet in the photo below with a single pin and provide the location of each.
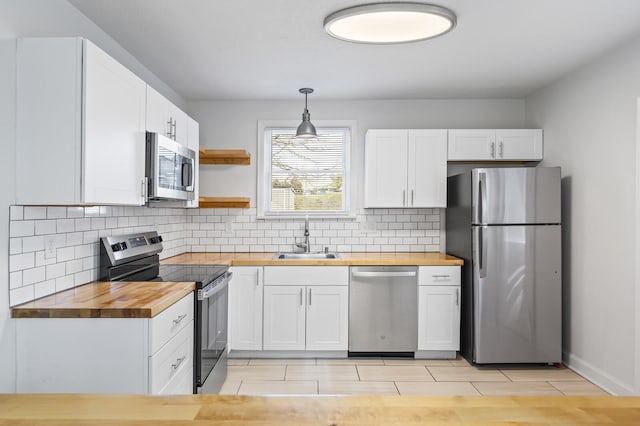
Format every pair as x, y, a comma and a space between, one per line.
306, 246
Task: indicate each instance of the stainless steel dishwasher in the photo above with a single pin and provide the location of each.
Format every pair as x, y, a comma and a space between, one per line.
383, 309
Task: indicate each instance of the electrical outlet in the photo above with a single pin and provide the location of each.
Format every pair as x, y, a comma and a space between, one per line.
49, 247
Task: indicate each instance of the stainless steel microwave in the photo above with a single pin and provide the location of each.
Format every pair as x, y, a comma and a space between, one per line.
170, 169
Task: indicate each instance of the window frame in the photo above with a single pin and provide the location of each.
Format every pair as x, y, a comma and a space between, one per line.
264, 170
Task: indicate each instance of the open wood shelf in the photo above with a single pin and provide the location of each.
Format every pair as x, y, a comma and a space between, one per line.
224, 203
224, 156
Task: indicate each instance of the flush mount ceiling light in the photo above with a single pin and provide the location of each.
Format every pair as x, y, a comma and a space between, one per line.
388, 23
306, 129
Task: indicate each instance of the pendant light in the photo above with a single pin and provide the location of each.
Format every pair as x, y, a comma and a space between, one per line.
306, 130
390, 22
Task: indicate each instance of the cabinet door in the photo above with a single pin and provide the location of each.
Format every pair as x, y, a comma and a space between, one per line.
519, 144
193, 138
165, 118
114, 140
327, 318
245, 308
284, 318
439, 318
469, 144
385, 168
427, 168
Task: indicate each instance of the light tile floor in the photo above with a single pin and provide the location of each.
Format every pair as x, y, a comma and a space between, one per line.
381, 376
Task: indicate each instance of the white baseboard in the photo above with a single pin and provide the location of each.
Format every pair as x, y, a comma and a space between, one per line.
597, 376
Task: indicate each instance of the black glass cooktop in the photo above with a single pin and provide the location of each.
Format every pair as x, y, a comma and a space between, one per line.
200, 274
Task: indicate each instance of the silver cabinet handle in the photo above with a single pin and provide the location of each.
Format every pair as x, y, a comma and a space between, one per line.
404, 197
178, 362
501, 149
145, 186
169, 127
493, 149
258, 278
300, 297
412, 197
179, 319
173, 129
309, 297
457, 297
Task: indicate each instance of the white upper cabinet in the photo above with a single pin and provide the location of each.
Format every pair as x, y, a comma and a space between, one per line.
405, 168
80, 125
499, 145
165, 118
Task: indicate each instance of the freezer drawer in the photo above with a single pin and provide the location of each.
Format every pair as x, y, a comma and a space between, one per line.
517, 294
383, 309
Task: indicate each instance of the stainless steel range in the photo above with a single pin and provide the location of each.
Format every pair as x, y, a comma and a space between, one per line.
134, 257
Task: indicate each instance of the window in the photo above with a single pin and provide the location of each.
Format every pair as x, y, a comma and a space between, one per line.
304, 176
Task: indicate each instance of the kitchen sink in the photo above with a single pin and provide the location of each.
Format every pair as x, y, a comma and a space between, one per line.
302, 256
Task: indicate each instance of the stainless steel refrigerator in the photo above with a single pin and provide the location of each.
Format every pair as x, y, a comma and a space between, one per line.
505, 224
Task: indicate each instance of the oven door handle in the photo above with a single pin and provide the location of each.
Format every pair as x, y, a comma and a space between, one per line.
207, 293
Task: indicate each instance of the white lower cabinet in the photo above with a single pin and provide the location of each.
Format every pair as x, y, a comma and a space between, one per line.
245, 308
438, 311
310, 317
108, 355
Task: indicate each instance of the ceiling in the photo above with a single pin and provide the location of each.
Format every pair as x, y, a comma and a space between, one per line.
257, 49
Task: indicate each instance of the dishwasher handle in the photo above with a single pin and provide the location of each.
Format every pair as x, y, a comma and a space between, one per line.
382, 274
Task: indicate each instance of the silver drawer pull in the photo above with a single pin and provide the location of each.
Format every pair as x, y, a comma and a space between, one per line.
441, 276
180, 318
178, 362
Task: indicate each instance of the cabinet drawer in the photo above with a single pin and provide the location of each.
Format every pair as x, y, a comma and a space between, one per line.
439, 275
306, 275
169, 322
174, 359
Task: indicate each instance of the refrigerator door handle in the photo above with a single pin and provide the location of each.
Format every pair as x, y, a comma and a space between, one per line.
482, 196
482, 252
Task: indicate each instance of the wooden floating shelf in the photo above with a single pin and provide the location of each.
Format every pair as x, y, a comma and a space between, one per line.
224, 203
224, 156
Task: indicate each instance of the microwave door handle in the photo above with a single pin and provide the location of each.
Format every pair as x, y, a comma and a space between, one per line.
187, 174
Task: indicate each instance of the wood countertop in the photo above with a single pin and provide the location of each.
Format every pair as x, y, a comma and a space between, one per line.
107, 300
69, 409
348, 259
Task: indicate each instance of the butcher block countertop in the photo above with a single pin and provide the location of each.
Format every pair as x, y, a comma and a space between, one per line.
349, 259
107, 300
69, 409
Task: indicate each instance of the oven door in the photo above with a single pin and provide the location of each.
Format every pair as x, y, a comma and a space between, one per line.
211, 338
170, 169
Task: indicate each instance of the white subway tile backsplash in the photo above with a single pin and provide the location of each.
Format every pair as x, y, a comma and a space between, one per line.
55, 270
44, 227
65, 225
19, 262
77, 230
33, 275
44, 288
21, 295
21, 228
35, 213
15, 245
56, 212
15, 279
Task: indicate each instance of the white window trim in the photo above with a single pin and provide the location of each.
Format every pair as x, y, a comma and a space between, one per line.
262, 172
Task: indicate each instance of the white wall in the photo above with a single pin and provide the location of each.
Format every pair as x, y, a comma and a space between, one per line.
25, 18
233, 125
7, 195
589, 121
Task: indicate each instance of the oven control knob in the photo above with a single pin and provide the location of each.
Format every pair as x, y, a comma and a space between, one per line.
116, 247
155, 240
123, 245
